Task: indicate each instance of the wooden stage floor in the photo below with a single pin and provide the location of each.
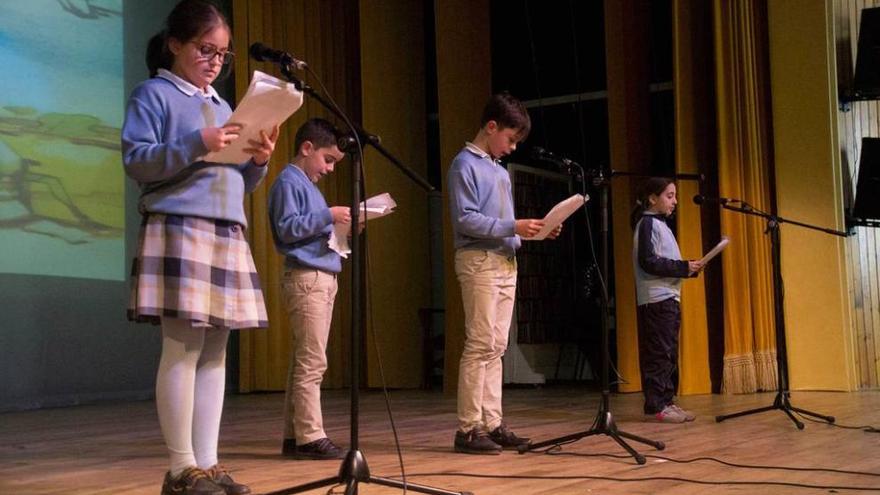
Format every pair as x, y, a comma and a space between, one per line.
117, 448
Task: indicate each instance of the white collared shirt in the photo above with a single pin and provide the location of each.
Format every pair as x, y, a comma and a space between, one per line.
473, 148
187, 87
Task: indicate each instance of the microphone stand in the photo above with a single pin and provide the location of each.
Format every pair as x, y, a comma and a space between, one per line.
782, 401
604, 423
354, 467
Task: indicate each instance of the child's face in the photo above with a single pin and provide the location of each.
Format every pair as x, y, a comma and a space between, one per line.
663, 204
318, 162
191, 61
501, 141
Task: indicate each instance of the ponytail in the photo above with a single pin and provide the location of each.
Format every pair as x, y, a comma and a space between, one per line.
636, 214
158, 55
653, 185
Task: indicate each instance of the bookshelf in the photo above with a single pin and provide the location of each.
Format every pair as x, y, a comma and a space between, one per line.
546, 276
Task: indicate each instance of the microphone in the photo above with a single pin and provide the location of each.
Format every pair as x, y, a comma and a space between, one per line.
262, 53
563, 163
347, 142
700, 199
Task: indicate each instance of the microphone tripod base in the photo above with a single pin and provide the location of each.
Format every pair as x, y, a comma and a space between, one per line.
354, 470
603, 425
781, 402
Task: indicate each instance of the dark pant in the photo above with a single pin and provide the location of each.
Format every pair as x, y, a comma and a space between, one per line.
658, 325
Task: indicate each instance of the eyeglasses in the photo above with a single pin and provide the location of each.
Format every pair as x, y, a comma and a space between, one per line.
208, 51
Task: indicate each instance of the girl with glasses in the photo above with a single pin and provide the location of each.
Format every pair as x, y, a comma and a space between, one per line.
194, 273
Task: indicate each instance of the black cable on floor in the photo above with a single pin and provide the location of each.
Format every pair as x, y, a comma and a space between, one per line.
719, 461
648, 478
865, 428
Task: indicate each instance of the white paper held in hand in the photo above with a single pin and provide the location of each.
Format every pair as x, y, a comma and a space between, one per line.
716, 250
374, 207
268, 102
558, 214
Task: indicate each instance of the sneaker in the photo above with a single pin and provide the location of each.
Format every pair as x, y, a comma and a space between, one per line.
192, 481
320, 449
669, 414
475, 441
288, 447
220, 476
506, 438
688, 416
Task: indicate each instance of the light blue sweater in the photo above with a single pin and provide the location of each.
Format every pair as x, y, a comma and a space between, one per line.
481, 203
162, 149
301, 222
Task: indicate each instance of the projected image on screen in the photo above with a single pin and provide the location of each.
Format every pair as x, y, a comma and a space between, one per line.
61, 107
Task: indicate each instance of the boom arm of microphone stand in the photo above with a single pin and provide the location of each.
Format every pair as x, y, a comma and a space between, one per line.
364, 136
750, 210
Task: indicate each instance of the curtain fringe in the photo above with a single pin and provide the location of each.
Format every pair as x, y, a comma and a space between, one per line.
765, 369
739, 374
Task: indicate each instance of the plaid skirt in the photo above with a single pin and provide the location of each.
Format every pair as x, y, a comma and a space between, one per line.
196, 269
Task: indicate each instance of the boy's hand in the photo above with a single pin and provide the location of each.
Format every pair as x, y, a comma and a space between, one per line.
695, 267
341, 214
555, 232
528, 227
262, 150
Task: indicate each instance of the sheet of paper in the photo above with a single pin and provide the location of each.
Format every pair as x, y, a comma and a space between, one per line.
558, 214
374, 207
716, 250
268, 102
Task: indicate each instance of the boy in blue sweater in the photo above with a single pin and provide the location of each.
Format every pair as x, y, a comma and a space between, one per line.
486, 239
301, 225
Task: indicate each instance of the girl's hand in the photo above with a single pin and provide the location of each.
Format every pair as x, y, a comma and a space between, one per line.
217, 138
262, 150
695, 267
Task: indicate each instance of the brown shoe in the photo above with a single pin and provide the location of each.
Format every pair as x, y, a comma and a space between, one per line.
506, 438
320, 449
475, 441
192, 481
220, 476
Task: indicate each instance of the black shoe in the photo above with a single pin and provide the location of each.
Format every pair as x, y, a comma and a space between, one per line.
220, 476
192, 481
320, 449
506, 438
288, 447
476, 441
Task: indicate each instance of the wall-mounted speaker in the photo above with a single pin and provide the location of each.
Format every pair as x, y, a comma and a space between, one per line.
867, 204
866, 83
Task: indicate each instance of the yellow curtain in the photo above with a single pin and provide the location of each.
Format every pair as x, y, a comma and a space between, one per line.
463, 62
689, 52
323, 42
629, 131
629, 139
744, 162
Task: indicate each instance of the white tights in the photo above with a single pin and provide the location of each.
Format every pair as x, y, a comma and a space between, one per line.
189, 392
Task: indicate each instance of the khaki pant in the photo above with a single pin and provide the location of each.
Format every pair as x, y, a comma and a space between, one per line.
308, 297
488, 291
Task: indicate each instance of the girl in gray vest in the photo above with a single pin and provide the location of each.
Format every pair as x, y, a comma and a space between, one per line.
658, 269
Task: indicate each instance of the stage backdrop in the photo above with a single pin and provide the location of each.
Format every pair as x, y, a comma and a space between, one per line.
68, 215
61, 187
